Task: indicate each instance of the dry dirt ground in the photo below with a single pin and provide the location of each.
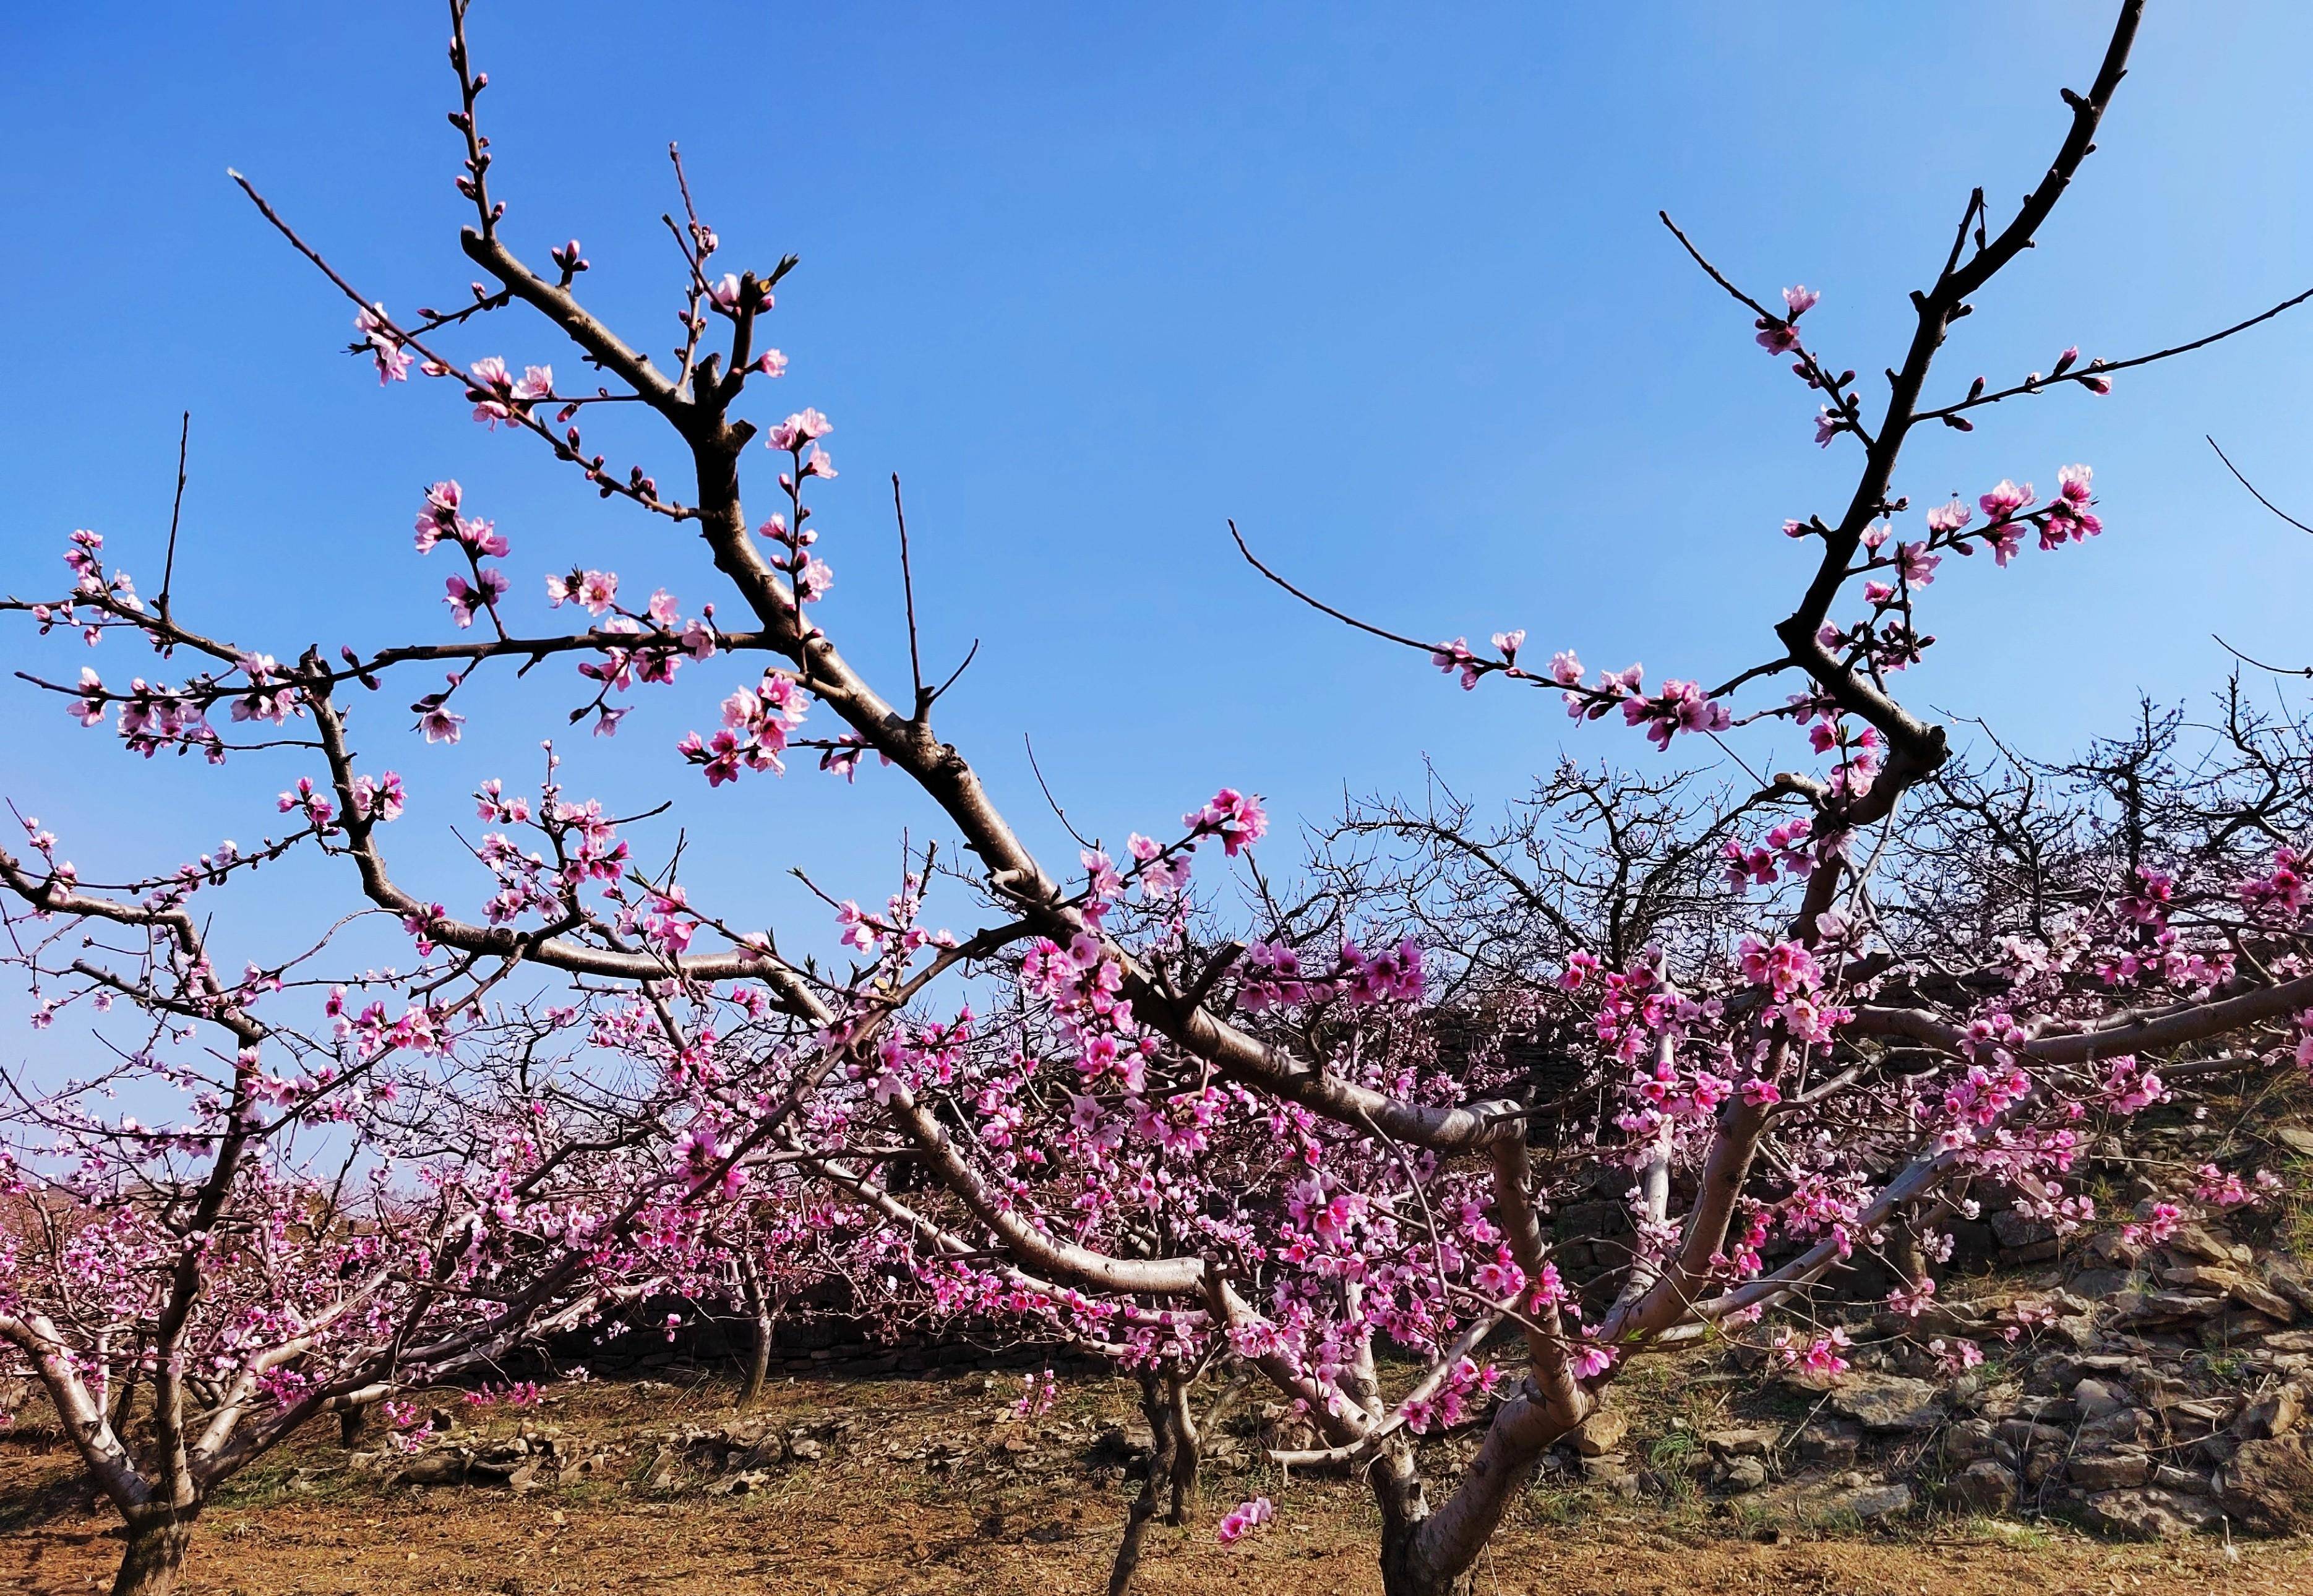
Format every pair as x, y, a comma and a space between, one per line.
874, 1514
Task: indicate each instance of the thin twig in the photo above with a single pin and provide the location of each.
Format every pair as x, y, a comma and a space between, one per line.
1319, 604
907, 591
1055, 802
2305, 670
970, 655
2259, 497
1813, 369
1714, 274
177, 507
2099, 369
519, 416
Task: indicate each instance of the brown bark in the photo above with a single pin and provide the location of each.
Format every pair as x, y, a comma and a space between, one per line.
763, 1317
154, 1561
1431, 1554
759, 1362
353, 1427
1406, 1570
1188, 1451
1164, 1434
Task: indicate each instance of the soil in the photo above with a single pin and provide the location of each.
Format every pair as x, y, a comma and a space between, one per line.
1000, 1505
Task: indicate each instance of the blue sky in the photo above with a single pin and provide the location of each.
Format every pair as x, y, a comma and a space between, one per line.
1387, 287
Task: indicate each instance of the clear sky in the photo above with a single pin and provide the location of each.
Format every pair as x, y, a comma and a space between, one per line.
1384, 283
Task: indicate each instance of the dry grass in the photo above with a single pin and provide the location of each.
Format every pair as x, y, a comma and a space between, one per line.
860, 1521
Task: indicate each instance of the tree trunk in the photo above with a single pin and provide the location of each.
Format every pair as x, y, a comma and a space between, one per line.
1402, 1573
1910, 1258
1406, 1567
155, 1557
1157, 1405
353, 1427
758, 1361
1433, 1554
764, 1315
1188, 1452
125, 1400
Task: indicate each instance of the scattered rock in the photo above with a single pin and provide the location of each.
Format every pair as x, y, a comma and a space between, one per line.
2070, 1370
2025, 1435
1607, 1466
2107, 1282
1850, 1495
1874, 1501
2169, 1478
2264, 1300
1830, 1446
2123, 1426
2117, 1410
1936, 1318
1983, 1486
2000, 1400
2165, 1307
2107, 1471
2289, 1282
2113, 1250
2278, 1414
2075, 1331
1889, 1402
2025, 1239
2199, 1277
2147, 1512
2238, 1325
445, 1466
1282, 1429
1975, 1440
2112, 1408
1602, 1433
1122, 1446
2268, 1487
2192, 1241
2095, 1398
2197, 1414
